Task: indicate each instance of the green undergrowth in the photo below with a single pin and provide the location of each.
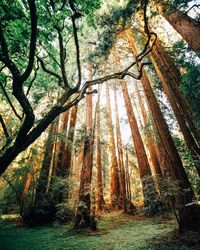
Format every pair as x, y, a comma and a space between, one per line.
115, 231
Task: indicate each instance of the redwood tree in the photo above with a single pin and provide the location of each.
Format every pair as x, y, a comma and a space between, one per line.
100, 199
143, 164
114, 173
188, 214
120, 154
83, 217
186, 26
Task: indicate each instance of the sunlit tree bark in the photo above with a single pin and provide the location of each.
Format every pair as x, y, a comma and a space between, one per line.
187, 27
120, 154
188, 215
114, 175
172, 77
67, 153
100, 199
189, 139
128, 179
46, 164
83, 217
143, 164
150, 133
63, 130
150, 143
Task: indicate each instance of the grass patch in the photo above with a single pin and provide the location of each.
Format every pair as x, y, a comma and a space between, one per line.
116, 231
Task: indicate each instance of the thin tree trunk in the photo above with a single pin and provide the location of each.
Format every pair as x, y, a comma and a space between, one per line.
57, 148
120, 155
150, 143
63, 130
67, 153
143, 164
114, 175
43, 179
128, 179
140, 120
100, 199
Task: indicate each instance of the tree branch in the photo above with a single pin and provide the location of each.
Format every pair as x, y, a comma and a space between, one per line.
4, 56
4, 127
74, 17
50, 72
33, 39
62, 59
32, 81
63, 5
12, 187
192, 7
10, 102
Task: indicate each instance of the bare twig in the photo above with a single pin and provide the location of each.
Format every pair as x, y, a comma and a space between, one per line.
31, 83
50, 71
4, 127
10, 102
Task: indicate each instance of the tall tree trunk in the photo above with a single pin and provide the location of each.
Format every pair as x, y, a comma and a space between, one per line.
67, 153
143, 164
114, 175
140, 120
86, 173
83, 217
150, 143
46, 164
172, 77
191, 143
100, 199
128, 179
63, 131
120, 155
188, 214
57, 148
187, 27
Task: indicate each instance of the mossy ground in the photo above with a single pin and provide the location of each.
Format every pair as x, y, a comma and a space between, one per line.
115, 231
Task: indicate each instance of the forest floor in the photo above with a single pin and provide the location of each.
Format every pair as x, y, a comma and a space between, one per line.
115, 231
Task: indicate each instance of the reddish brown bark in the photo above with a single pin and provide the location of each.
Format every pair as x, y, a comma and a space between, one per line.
150, 143
187, 27
84, 219
143, 164
46, 164
63, 130
191, 143
159, 120
188, 215
128, 179
137, 139
27, 184
57, 148
67, 153
86, 173
172, 77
